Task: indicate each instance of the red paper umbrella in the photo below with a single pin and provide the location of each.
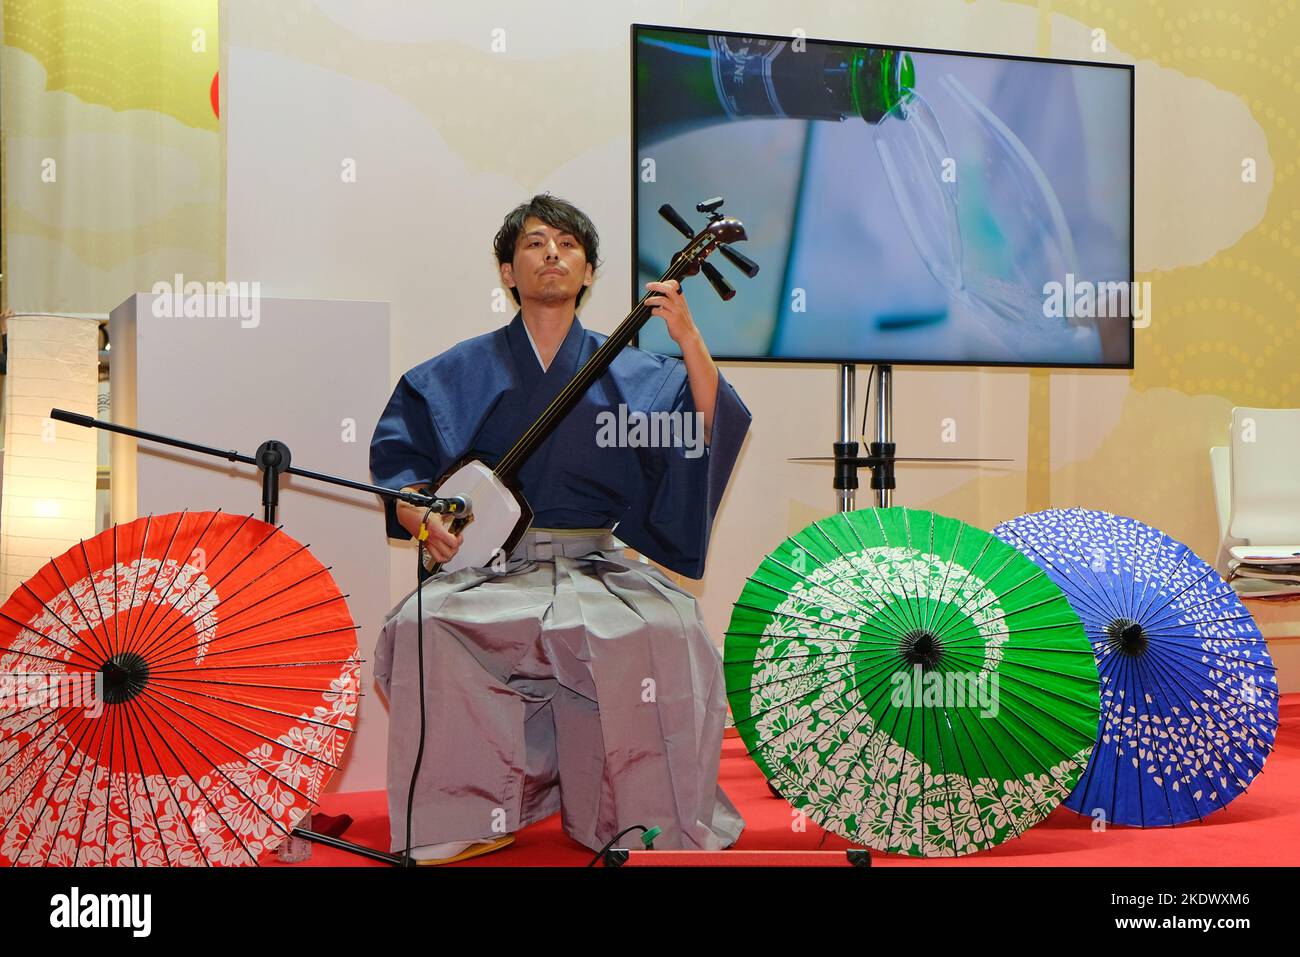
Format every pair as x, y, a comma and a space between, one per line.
176, 691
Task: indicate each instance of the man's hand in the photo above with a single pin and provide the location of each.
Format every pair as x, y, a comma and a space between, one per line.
701, 371
441, 543
671, 306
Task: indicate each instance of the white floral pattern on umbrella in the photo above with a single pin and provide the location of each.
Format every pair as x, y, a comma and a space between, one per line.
826, 626
244, 698
1189, 696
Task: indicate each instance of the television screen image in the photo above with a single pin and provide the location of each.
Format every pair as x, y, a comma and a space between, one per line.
906, 206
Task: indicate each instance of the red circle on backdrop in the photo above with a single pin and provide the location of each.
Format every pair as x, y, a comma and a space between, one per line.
214, 93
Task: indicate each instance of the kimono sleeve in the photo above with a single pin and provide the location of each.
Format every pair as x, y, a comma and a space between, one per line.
406, 448
681, 487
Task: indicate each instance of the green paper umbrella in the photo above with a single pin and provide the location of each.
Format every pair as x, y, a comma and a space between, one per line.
911, 683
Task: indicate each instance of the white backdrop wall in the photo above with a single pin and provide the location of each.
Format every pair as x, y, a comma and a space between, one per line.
309, 373
373, 148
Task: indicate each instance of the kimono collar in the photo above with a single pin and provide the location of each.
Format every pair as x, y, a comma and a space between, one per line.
563, 365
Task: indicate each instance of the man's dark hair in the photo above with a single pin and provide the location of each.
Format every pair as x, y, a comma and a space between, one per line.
556, 213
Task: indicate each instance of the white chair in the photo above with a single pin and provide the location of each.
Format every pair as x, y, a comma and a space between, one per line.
1261, 514
1221, 479
1265, 476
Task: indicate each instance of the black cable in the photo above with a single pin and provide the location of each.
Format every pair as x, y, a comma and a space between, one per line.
419, 642
866, 403
601, 852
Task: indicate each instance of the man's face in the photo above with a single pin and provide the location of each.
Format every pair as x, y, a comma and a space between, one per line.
550, 266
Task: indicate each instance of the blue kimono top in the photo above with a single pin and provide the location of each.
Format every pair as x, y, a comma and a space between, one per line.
479, 397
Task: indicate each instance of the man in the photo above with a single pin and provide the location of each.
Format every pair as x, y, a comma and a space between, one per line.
574, 679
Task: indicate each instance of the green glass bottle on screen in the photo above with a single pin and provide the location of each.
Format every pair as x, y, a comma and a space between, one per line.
688, 80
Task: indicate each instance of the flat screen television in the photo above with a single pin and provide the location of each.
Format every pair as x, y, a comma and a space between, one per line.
906, 205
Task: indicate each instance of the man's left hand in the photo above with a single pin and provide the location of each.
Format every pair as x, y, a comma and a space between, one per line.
670, 304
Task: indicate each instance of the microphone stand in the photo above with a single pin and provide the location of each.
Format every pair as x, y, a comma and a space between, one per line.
273, 459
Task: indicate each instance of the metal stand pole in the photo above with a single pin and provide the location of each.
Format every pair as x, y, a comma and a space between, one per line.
846, 474
273, 458
881, 452
882, 480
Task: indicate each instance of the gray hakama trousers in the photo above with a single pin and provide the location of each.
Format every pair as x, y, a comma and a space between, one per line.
578, 680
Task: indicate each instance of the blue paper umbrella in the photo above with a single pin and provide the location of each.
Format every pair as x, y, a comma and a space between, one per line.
1189, 704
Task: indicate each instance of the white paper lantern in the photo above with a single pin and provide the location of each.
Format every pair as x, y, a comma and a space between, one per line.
47, 499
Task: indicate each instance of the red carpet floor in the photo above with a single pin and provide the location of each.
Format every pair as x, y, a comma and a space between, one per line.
1262, 827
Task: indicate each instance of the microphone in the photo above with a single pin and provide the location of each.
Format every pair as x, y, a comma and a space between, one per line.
436, 504
454, 505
